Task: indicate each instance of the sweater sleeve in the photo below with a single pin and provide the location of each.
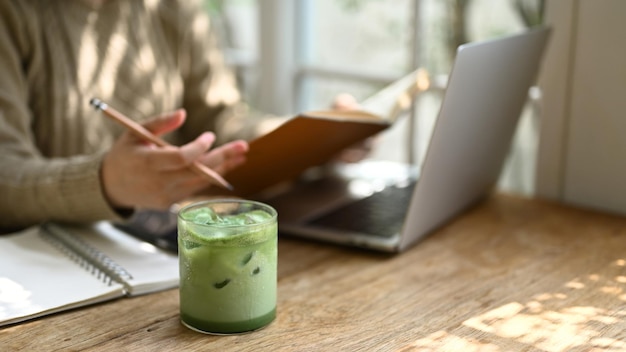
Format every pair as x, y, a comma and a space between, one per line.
33, 188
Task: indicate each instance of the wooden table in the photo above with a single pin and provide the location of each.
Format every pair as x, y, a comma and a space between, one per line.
509, 275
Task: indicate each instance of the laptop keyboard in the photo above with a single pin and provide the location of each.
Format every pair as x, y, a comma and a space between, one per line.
381, 214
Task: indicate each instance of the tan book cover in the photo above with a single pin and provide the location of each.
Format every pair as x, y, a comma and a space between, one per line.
306, 140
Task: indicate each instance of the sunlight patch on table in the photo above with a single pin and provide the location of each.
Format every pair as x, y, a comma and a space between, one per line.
549, 330
444, 341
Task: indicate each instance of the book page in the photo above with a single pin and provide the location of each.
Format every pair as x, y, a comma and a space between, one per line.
391, 101
37, 278
150, 268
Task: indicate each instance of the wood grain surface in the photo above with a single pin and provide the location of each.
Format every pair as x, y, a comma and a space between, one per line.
512, 274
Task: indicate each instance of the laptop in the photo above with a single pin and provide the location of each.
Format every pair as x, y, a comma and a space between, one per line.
390, 206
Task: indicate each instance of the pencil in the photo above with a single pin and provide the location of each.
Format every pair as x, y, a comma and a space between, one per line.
146, 135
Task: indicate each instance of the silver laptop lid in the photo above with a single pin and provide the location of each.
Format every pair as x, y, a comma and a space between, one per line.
486, 91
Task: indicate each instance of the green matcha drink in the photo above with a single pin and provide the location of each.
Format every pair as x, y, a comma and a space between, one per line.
228, 254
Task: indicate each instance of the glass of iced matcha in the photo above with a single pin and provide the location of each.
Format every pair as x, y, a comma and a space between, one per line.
228, 262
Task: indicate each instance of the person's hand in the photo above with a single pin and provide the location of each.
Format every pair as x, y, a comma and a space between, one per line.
345, 101
139, 174
360, 150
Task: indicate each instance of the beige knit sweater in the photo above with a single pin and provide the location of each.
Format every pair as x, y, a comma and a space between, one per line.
144, 57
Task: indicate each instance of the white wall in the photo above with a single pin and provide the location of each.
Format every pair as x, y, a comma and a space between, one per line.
582, 150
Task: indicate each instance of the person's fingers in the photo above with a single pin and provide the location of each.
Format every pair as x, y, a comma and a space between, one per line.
195, 149
221, 159
345, 101
226, 157
166, 122
358, 151
173, 158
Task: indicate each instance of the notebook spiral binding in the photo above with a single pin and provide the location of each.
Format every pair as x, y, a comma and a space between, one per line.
89, 258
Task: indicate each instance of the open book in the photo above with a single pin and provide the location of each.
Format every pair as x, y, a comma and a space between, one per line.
301, 142
52, 268
313, 138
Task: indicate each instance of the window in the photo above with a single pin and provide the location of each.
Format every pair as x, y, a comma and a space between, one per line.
298, 55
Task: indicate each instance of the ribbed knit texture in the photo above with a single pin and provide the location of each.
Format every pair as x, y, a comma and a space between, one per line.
144, 57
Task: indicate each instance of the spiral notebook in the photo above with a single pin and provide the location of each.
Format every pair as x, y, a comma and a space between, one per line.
53, 268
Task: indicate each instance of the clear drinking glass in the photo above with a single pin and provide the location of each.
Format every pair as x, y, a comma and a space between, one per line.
228, 265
